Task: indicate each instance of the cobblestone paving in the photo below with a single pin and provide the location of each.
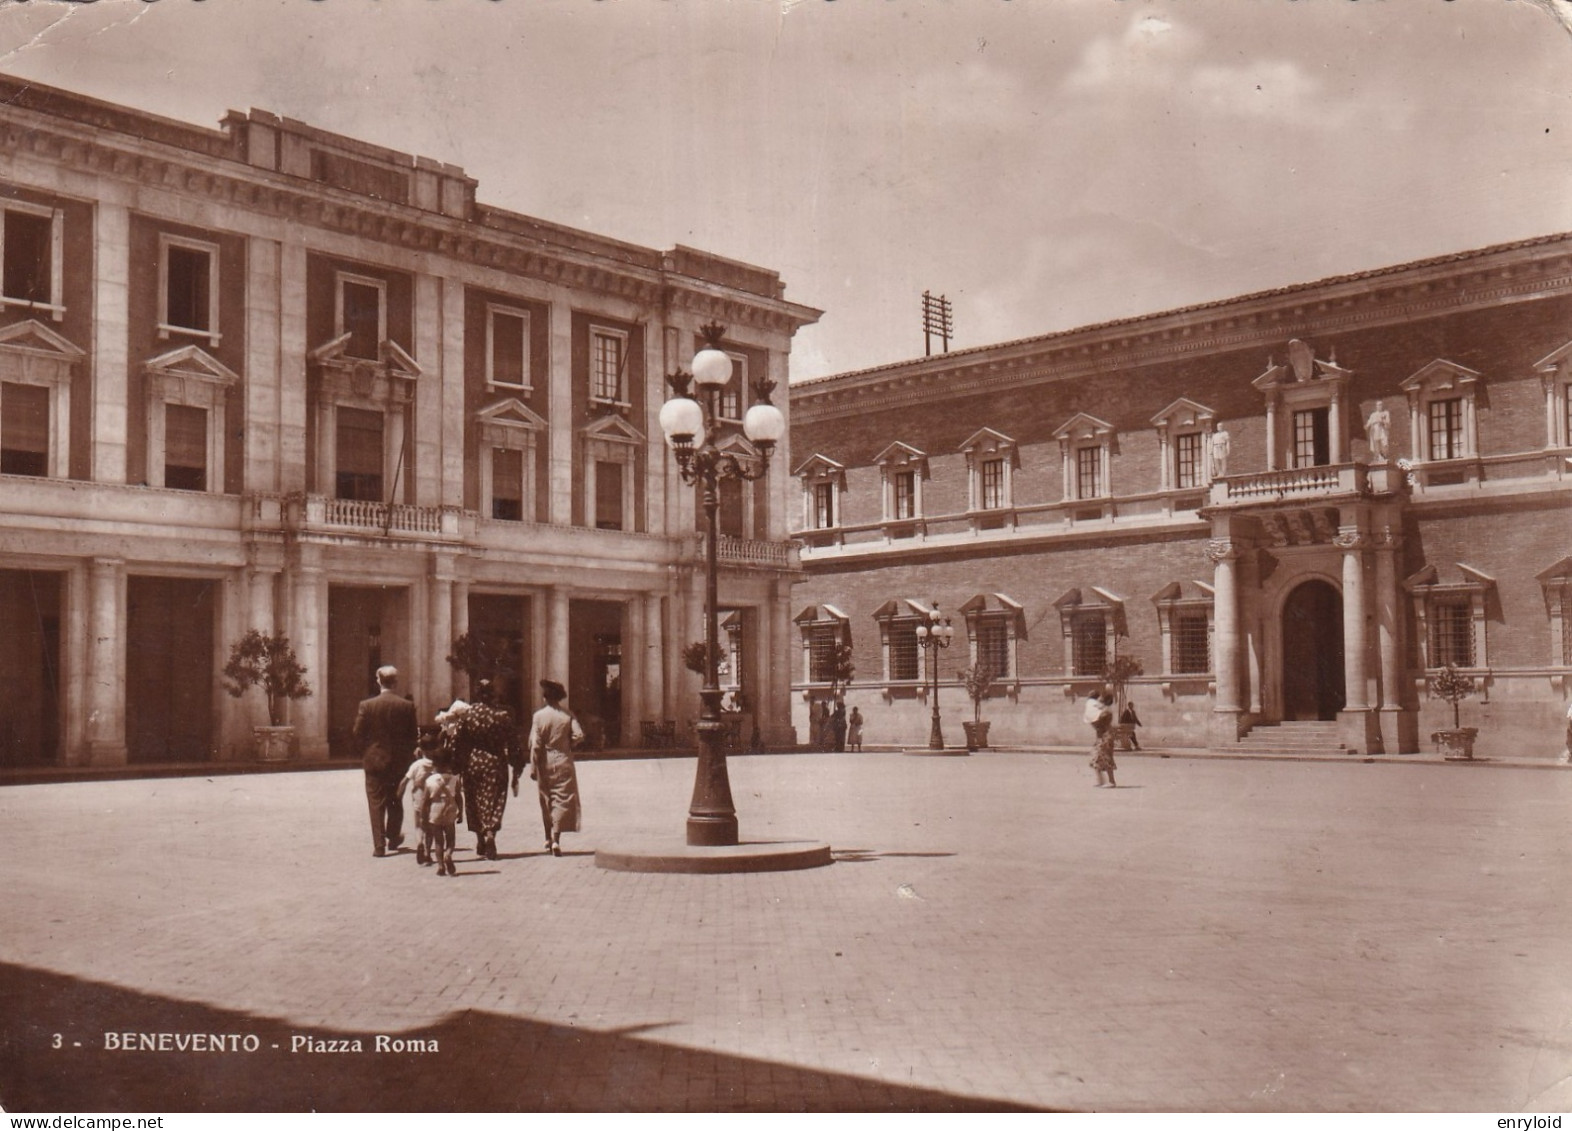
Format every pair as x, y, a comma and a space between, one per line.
1211, 936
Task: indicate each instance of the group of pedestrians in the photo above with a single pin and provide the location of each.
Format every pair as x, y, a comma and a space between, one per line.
462, 767
832, 729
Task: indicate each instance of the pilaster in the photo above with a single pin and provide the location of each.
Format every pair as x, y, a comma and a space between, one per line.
106, 699
111, 345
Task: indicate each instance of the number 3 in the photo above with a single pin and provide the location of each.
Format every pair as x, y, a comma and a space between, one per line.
57, 1042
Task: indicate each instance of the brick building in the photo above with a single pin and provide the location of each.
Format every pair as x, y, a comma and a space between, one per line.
1204, 490
267, 376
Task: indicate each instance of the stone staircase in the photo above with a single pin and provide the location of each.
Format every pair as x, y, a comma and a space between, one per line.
1290, 738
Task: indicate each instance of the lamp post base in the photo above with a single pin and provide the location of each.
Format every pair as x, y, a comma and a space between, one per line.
712, 832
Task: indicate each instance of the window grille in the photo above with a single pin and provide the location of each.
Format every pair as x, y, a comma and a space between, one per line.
823, 640
993, 647
1191, 645
1090, 643
1451, 634
904, 653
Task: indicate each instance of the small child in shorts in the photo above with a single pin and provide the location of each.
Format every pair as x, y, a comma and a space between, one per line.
444, 803
415, 777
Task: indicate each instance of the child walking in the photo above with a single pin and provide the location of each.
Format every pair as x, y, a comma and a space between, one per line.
444, 803
415, 781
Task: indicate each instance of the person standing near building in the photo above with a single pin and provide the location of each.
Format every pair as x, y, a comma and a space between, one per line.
838, 727
386, 730
486, 744
552, 733
854, 730
1129, 718
1099, 713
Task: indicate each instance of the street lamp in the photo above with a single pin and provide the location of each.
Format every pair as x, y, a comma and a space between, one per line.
689, 426
930, 638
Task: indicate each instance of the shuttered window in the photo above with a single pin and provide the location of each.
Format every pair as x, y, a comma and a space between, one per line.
507, 484
359, 438
185, 447
24, 429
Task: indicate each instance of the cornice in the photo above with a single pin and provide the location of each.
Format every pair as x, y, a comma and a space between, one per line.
146, 162
1471, 281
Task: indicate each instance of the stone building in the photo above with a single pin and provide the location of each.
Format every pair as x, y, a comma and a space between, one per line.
267, 376
1291, 508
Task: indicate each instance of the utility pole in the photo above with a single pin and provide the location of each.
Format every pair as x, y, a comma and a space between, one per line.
935, 320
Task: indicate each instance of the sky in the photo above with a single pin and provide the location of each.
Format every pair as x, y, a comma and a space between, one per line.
1044, 164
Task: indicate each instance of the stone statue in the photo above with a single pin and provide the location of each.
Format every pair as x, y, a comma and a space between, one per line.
1220, 446
1378, 433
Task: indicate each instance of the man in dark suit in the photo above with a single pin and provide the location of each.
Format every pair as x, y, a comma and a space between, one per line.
386, 730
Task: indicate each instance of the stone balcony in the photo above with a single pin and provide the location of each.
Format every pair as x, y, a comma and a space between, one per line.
749, 553
1348, 480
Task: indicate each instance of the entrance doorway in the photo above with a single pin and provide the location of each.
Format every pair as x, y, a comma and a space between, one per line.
170, 668
30, 659
367, 627
595, 669
499, 630
1313, 652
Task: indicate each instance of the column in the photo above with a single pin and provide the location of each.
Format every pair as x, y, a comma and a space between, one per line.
1271, 432
111, 347
1334, 425
77, 647
458, 625
560, 416
106, 692
423, 455
654, 658
634, 656
263, 379
1224, 553
1356, 694
293, 400
1399, 725
260, 598
433, 693
451, 489
557, 635
785, 653
309, 594
1249, 581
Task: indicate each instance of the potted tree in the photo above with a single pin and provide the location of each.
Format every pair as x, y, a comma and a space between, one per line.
1456, 744
977, 681
267, 660
1117, 675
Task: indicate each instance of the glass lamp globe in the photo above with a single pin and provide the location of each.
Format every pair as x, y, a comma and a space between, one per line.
711, 368
681, 419
764, 424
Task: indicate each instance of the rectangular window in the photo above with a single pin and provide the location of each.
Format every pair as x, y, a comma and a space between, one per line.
728, 402
1089, 642
359, 438
993, 647
24, 429
729, 515
1451, 634
507, 484
507, 348
1446, 428
905, 485
185, 447
1187, 460
29, 256
823, 505
362, 317
992, 484
608, 356
904, 652
189, 277
608, 495
1192, 654
823, 640
1088, 473
1312, 438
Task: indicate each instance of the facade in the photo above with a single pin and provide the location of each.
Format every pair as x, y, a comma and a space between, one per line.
1292, 508
269, 377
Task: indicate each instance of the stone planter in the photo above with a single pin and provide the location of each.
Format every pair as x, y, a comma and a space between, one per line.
1455, 745
976, 735
274, 744
1124, 736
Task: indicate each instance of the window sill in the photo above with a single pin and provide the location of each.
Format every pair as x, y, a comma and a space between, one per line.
165, 331
503, 386
56, 313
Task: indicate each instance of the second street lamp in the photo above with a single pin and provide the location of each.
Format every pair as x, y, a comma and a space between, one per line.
690, 430
931, 637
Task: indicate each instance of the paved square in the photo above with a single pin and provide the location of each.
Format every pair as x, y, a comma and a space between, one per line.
1213, 935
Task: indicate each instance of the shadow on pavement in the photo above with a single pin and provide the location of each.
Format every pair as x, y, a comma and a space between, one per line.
475, 1061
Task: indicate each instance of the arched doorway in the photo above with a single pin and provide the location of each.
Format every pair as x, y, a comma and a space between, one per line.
1313, 652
